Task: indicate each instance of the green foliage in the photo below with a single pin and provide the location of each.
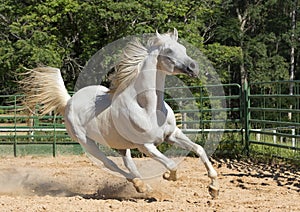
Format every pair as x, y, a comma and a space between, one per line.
66, 33
225, 59
231, 146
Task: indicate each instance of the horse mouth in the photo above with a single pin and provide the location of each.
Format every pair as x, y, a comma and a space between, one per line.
181, 68
190, 73
186, 70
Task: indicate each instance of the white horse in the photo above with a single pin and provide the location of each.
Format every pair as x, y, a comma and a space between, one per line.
131, 114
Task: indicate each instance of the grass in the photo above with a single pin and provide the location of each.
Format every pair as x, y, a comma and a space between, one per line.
271, 152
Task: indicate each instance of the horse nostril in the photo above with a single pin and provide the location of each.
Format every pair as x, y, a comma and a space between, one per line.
192, 66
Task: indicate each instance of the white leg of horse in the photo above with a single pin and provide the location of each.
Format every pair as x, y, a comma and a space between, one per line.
151, 150
139, 185
91, 147
181, 140
129, 163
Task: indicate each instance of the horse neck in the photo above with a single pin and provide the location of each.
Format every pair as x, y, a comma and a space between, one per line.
160, 83
150, 86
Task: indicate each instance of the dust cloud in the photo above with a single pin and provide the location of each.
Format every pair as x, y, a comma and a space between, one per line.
23, 181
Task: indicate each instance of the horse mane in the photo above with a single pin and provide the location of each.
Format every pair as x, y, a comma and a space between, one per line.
131, 58
128, 67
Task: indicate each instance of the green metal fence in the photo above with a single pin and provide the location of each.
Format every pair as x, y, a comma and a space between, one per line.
22, 132
211, 116
205, 112
273, 118
260, 117
200, 111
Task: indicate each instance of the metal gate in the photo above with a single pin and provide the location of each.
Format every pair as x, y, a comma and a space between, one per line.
272, 118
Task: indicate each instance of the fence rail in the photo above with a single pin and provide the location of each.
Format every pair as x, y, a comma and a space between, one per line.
22, 133
259, 116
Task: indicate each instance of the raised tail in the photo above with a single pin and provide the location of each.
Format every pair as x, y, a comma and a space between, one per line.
45, 86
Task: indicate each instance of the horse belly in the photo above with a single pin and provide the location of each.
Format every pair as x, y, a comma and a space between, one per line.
101, 130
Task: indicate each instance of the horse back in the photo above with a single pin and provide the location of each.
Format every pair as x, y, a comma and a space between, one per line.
84, 105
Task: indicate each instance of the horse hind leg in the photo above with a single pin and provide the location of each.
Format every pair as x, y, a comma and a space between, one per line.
92, 149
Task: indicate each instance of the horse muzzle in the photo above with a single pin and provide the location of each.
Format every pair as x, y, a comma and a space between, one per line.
191, 69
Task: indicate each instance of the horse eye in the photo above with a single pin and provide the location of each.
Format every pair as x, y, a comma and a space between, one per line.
168, 51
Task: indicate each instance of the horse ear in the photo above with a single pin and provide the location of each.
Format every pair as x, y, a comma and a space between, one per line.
174, 36
157, 34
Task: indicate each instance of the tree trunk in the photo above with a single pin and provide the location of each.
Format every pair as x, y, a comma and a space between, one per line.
242, 19
292, 61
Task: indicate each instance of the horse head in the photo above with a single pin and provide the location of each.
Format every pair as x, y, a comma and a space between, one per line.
172, 57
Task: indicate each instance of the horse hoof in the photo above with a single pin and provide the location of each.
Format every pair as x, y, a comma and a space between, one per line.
170, 176
213, 191
140, 186
158, 196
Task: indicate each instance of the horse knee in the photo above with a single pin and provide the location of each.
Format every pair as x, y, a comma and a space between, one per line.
200, 151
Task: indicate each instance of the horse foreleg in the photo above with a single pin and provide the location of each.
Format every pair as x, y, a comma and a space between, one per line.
179, 139
139, 185
153, 152
129, 163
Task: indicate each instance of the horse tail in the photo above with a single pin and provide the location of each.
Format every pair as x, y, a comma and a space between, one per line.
45, 86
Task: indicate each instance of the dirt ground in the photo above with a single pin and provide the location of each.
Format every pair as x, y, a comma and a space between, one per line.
74, 183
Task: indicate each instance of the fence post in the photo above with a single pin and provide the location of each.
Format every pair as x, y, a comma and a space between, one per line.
246, 92
54, 141
15, 127
274, 136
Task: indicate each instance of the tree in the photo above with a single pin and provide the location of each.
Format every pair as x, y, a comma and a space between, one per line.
66, 33
244, 40
30, 37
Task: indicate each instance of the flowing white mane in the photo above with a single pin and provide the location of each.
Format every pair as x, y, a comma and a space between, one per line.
128, 67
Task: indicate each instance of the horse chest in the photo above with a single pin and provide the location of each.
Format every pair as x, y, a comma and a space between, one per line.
138, 126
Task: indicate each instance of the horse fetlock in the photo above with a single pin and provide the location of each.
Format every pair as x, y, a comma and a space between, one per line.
212, 174
171, 176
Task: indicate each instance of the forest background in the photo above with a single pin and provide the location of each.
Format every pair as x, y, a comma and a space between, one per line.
245, 40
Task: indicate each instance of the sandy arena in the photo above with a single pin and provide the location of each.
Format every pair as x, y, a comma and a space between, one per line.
74, 183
